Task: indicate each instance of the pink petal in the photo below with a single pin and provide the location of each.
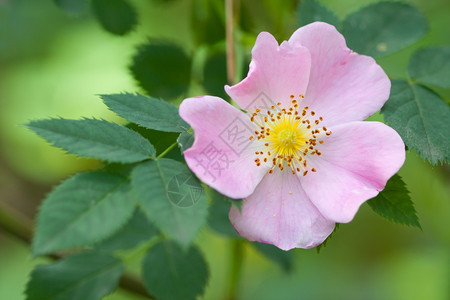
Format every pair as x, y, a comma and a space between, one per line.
222, 155
343, 85
276, 72
280, 213
357, 160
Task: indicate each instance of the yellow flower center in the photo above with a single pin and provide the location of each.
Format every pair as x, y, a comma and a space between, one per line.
289, 136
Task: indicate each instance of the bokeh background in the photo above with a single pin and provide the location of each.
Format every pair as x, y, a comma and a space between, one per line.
55, 64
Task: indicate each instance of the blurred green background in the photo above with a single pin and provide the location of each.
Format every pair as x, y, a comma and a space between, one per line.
54, 64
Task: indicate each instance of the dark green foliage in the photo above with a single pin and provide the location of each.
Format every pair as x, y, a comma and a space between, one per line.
161, 140
171, 197
218, 214
87, 276
169, 272
136, 231
421, 118
83, 210
215, 74
162, 69
277, 17
431, 66
208, 21
310, 11
94, 138
115, 16
141, 201
394, 203
383, 28
148, 112
73, 7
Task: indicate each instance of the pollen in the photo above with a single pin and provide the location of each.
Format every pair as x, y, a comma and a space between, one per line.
288, 136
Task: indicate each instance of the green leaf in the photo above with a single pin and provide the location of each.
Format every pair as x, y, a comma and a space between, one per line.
310, 11
171, 273
162, 69
208, 21
72, 7
218, 215
94, 138
83, 210
394, 203
278, 256
115, 16
185, 140
87, 276
431, 65
136, 231
421, 118
148, 112
172, 198
383, 28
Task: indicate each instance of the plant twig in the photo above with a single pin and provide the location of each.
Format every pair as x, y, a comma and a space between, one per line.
236, 259
237, 251
231, 58
15, 223
167, 150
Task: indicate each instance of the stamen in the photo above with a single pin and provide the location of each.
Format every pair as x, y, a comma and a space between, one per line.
289, 135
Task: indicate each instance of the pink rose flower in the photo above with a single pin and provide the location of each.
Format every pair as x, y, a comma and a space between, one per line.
300, 156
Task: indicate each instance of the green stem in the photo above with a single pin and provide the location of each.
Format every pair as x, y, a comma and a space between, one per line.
236, 259
15, 223
167, 150
237, 246
231, 59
